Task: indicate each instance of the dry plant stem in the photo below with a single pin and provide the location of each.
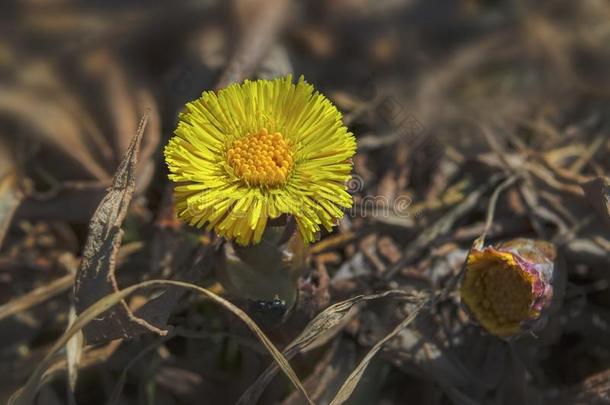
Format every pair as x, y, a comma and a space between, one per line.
496, 146
74, 351
95, 277
50, 290
491, 210
324, 372
562, 238
90, 357
591, 151
440, 227
352, 381
317, 333
478, 243
27, 394
37, 296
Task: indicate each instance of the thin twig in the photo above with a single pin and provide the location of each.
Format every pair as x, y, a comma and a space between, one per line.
491, 209
37, 296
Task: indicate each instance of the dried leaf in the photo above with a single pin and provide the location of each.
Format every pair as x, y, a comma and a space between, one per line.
95, 277
352, 381
46, 78
52, 123
317, 333
92, 355
441, 226
329, 372
27, 394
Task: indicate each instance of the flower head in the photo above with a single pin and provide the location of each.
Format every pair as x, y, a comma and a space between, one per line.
508, 288
255, 151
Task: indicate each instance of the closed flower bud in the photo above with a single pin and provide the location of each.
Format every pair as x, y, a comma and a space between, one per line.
509, 288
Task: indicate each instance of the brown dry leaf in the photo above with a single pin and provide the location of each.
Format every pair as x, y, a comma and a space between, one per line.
91, 356
45, 78
352, 381
442, 226
329, 372
51, 123
95, 277
27, 394
317, 333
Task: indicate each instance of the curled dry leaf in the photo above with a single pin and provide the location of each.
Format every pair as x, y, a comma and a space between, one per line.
95, 277
329, 372
27, 394
352, 381
317, 333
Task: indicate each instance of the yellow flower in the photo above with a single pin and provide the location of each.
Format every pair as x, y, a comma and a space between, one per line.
508, 288
255, 151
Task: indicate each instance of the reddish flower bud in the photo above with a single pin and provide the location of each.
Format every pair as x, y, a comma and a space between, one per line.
509, 288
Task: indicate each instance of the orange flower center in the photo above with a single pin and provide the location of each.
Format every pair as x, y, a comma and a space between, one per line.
261, 159
497, 291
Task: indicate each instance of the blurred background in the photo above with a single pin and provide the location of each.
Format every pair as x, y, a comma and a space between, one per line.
443, 97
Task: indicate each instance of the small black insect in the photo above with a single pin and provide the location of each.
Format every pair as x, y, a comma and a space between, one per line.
268, 313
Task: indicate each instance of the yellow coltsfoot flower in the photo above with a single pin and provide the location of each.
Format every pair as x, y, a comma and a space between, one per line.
255, 151
509, 288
